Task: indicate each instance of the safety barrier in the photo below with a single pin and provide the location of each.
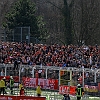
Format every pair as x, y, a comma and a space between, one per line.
3, 97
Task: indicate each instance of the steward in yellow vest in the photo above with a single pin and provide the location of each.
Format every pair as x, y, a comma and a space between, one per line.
11, 84
2, 86
79, 92
38, 90
21, 88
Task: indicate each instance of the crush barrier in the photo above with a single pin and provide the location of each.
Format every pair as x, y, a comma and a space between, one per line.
5, 97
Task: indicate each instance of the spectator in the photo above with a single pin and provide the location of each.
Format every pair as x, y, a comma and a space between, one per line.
43, 74
50, 55
39, 72
66, 97
15, 64
2, 73
36, 74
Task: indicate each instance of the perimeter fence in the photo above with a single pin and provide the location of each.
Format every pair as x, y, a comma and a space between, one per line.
50, 79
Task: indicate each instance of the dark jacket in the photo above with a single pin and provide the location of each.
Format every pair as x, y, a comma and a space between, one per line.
66, 97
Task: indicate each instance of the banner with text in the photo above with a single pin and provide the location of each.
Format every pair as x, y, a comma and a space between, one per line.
51, 84
91, 88
67, 89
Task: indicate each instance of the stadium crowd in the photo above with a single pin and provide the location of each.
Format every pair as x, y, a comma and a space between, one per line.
50, 55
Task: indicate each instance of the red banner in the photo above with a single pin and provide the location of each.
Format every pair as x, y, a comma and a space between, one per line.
67, 90
63, 89
21, 98
30, 82
51, 84
72, 90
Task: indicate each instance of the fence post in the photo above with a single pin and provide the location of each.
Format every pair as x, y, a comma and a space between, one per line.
19, 72
33, 72
83, 76
95, 77
5, 70
46, 73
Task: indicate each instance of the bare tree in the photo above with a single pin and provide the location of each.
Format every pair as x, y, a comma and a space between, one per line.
85, 15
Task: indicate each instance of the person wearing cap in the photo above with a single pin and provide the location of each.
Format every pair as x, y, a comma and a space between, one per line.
2, 86
11, 84
79, 92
